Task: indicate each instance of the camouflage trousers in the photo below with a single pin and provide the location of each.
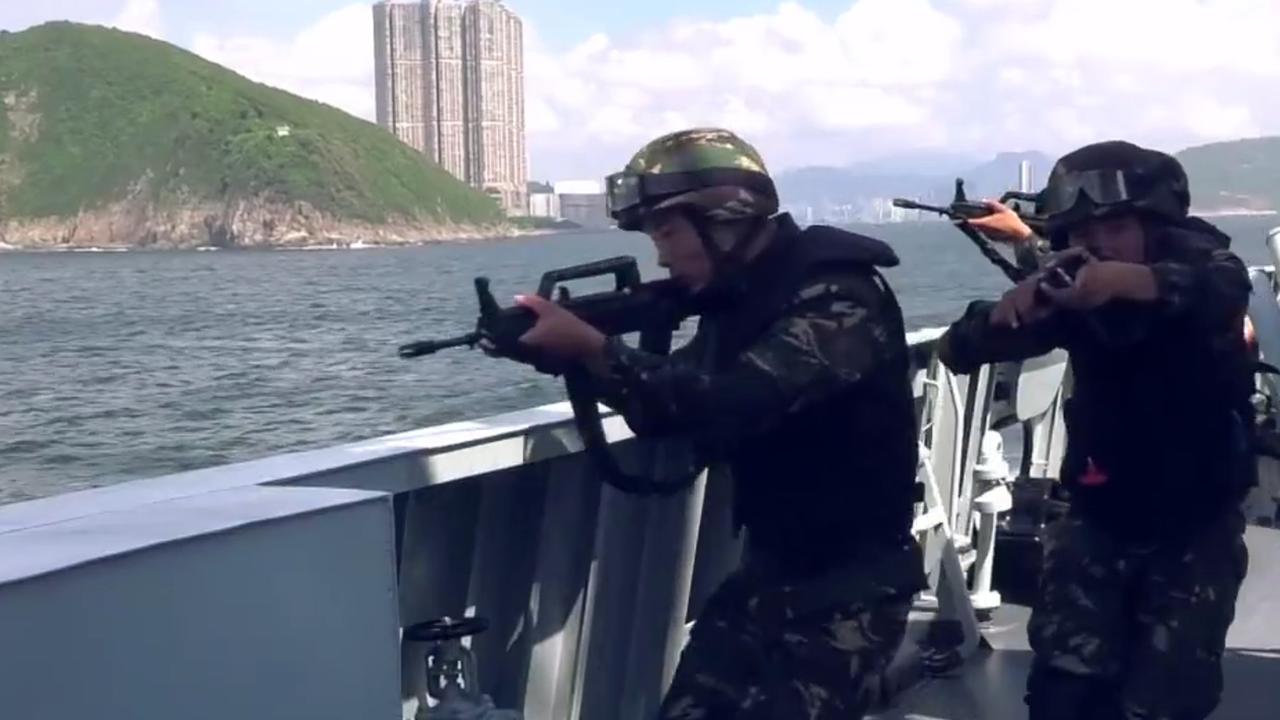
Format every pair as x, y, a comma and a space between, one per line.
754, 656
1133, 630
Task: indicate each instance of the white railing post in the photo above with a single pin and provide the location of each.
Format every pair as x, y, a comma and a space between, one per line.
991, 476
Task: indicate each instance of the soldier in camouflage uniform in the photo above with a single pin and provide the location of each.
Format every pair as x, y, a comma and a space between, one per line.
1140, 578
797, 380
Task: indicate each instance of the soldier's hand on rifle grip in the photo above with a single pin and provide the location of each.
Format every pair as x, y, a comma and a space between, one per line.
1100, 281
1018, 306
1002, 225
559, 333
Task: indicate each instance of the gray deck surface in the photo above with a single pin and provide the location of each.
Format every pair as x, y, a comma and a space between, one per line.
990, 687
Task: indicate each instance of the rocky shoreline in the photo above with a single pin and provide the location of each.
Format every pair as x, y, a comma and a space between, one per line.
239, 224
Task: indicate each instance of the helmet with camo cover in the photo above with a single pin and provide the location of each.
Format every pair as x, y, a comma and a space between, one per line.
710, 171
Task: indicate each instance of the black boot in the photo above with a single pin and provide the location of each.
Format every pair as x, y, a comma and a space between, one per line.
1054, 694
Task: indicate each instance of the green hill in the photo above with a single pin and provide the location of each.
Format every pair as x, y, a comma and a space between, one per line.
1234, 175
92, 117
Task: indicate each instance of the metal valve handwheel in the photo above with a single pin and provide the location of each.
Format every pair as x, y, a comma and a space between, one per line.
446, 628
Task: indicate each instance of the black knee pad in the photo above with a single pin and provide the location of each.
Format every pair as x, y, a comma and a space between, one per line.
1054, 694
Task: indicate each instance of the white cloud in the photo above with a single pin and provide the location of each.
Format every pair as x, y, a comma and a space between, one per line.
330, 60
140, 16
894, 75
1166, 36
881, 77
1211, 119
898, 42
845, 107
777, 78
737, 114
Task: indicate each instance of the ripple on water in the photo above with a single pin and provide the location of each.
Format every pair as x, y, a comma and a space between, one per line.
117, 366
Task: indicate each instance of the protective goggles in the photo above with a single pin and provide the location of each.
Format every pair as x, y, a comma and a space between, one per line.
626, 191
1101, 187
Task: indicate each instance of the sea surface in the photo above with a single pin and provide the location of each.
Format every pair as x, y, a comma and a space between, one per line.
119, 366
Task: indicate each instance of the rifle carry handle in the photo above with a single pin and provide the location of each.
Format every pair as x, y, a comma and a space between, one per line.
625, 272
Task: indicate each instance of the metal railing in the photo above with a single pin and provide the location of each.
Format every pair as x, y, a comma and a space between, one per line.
588, 592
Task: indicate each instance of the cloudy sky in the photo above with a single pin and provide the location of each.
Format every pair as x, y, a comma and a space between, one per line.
809, 82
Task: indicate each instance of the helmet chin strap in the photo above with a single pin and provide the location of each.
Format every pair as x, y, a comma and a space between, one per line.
725, 264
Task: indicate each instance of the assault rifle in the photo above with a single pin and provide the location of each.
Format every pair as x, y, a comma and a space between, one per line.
962, 209
1059, 273
957, 210
654, 309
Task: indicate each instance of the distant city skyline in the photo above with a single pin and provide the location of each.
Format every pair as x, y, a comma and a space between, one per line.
809, 82
449, 82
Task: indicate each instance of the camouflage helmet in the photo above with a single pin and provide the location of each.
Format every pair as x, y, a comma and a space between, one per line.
711, 171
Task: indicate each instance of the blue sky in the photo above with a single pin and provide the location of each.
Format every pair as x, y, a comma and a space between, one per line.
562, 23
807, 81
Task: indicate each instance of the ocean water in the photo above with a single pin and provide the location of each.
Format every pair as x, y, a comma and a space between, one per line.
119, 366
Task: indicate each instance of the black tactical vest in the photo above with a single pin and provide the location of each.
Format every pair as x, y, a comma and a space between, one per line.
834, 482
1158, 431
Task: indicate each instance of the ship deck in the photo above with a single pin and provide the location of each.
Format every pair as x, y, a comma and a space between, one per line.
281, 587
990, 685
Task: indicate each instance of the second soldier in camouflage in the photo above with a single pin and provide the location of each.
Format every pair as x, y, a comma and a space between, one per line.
1140, 579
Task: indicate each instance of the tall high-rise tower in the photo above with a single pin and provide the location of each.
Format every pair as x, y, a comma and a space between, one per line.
1025, 178
450, 83
493, 55
403, 67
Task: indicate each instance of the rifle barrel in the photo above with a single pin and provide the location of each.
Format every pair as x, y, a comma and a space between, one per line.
427, 347
913, 205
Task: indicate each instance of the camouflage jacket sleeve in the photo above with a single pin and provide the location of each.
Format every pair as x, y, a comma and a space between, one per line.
1208, 285
1032, 253
972, 341
618, 392
834, 332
